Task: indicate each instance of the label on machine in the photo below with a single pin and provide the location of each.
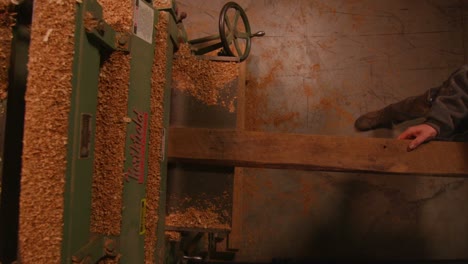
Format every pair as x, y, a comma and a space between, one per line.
143, 21
138, 148
143, 217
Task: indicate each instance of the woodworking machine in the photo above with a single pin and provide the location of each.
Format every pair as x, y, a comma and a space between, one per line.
93, 38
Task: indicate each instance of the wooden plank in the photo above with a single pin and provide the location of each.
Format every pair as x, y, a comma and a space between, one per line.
235, 237
314, 152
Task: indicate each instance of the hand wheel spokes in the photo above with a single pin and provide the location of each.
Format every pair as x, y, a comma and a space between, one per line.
238, 46
230, 28
242, 35
236, 19
234, 32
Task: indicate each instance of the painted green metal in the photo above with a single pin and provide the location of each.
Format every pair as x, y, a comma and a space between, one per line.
103, 34
204, 45
97, 247
80, 153
136, 150
79, 245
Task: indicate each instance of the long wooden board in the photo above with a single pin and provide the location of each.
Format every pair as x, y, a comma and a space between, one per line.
315, 152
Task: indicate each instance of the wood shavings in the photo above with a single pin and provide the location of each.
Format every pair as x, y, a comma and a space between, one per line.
46, 37
159, 4
6, 22
201, 212
194, 217
90, 22
57, 2
45, 133
159, 84
173, 236
111, 124
109, 153
205, 80
119, 16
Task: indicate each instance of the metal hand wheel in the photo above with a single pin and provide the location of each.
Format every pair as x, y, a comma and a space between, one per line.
234, 34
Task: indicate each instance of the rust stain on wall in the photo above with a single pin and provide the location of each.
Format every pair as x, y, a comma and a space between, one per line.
315, 68
358, 21
323, 8
331, 104
327, 44
284, 119
256, 98
308, 90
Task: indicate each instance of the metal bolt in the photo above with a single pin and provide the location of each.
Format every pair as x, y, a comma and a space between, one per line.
123, 39
100, 27
182, 16
109, 246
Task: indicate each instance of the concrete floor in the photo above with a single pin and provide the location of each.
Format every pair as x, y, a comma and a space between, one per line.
321, 64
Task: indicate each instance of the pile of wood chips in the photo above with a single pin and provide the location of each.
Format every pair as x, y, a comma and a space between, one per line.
205, 80
6, 22
200, 213
173, 236
46, 132
158, 84
110, 128
193, 217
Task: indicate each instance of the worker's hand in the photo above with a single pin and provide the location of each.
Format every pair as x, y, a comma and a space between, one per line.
419, 134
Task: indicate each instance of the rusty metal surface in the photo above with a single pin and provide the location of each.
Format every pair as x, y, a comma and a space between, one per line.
321, 64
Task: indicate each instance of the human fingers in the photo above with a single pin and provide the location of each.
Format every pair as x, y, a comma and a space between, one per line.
421, 138
422, 133
409, 133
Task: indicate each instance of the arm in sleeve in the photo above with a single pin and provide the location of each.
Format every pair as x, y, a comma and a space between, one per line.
451, 104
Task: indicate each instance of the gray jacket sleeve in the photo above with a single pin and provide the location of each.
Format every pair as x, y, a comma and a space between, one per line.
451, 104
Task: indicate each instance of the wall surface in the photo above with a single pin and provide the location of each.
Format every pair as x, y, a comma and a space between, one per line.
321, 64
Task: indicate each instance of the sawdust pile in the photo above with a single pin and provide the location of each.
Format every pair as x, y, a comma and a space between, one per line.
119, 16
203, 79
110, 128
193, 217
173, 236
110, 146
45, 132
158, 86
203, 213
6, 22
160, 4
